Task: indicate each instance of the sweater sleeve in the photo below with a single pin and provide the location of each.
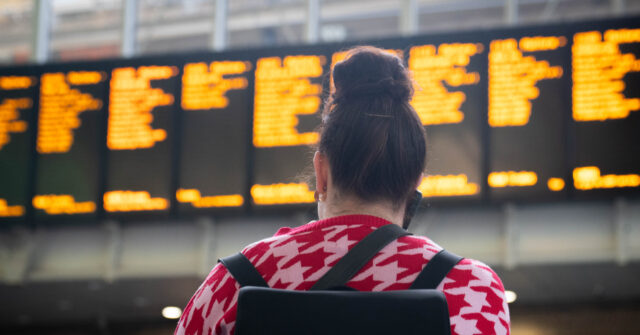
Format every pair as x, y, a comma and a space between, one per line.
476, 299
212, 309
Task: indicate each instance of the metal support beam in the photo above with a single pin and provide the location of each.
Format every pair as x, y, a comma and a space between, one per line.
621, 230
219, 36
128, 33
618, 6
21, 262
113, 252
510, 237
409, 17
207, 227
511, 12
41, 31
549, 10
312, 27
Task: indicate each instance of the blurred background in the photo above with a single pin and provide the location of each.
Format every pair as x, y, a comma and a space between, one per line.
572, 267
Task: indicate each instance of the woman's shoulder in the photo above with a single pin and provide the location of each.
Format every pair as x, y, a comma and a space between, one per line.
468, 273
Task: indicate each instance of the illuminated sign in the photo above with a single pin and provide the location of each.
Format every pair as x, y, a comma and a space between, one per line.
70, 121
605, 118
60, 106
140, 123
589, 177
128, 201
10, 118
546, 113
283, 90
447, 97
437, 70
525, 112
513, 77
16, 109
292, 193
204, 85
287, 99
512, 178
55, 204
447, 186
131, 102
215, 99
599, 66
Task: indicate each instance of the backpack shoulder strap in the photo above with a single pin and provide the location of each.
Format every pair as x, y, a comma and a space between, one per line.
435, 271
358, 256
243, 271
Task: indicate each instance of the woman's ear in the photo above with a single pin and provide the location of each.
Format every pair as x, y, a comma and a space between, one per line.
321, 167
419, 180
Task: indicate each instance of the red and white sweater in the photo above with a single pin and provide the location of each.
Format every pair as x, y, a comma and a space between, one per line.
295, 258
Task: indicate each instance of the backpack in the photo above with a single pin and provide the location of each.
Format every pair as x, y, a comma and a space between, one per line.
331, 307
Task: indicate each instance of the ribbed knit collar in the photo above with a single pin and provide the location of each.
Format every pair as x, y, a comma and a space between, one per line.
354, 219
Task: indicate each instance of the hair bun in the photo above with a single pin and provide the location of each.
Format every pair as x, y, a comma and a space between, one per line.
370, 72
388, 86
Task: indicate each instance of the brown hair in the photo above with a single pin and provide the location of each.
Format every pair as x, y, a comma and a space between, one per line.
372, 136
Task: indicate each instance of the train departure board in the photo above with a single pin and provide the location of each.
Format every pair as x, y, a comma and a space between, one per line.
18, 94
547, 113
527, 104
140, 128
215, 100
69, 141
446, 98
287, 98
606, 111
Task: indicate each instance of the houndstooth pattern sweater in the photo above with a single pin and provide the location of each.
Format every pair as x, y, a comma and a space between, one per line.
295, 258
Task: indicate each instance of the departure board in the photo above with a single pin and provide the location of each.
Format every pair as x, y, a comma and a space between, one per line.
69, 142
448, 99
140, 128
17, 111
215, 101
287, 99
524, 114
527, 104
606, 111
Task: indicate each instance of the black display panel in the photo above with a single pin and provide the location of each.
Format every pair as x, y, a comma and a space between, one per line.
70, 140
449, 99
140, 135
18, 94
605, 115
546, 113
527, 106
288, 91
216, 98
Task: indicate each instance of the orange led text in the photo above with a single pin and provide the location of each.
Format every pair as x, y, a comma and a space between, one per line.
512, 178
10, 118
60, 108
56, 204
204, 85
129, 201
131, 103
283, 90
275, 194
435, 71
193, 197
589, 178
599, 67
10, 211
447, 186
513, 77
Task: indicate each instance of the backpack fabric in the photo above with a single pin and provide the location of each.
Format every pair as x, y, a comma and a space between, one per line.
331, 307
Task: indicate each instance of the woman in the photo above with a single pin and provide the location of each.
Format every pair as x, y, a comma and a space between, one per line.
369, 162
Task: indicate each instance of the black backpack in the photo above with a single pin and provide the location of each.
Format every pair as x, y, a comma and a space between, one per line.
331, 307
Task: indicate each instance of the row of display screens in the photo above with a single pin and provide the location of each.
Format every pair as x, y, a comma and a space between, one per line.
544, 113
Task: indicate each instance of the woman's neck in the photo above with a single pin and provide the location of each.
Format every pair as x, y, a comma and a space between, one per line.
338, 207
